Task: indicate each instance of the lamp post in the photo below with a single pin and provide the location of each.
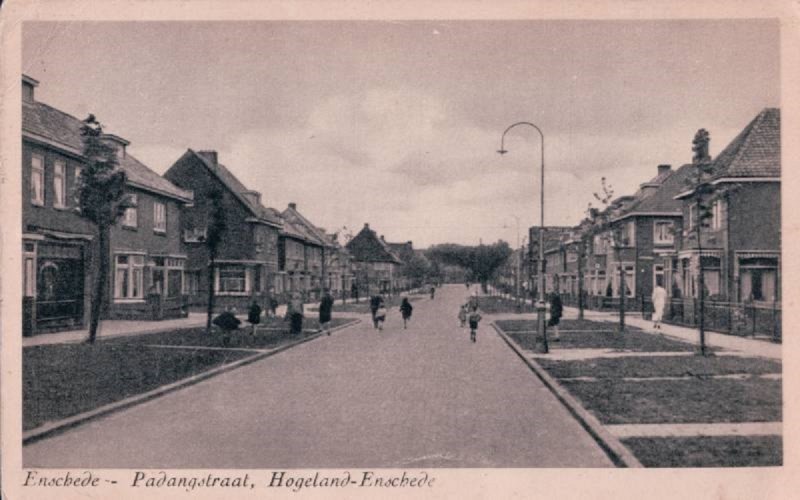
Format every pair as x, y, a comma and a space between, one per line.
541, 338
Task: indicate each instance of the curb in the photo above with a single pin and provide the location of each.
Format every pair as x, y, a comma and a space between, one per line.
55, 428
611, 445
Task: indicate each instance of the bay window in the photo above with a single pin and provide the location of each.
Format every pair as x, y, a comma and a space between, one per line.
233, 279
129, 277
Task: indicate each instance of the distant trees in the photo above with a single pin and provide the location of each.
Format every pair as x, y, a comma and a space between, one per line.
103, 202
482, 261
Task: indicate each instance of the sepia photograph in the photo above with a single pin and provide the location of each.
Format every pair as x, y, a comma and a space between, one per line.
353, 254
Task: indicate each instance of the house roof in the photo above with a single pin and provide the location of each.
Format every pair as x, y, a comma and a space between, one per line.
234, 185
755, 152
366, 246
662, 201
403, 251
553, 236
64, 131
303, 227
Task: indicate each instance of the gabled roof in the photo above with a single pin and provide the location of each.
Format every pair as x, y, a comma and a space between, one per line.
755, 152
303, 227
264, 214
662, 201
553, 236
63, 130
366, 246
403, 251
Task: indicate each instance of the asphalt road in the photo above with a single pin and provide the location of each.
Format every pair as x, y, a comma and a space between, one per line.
422, 397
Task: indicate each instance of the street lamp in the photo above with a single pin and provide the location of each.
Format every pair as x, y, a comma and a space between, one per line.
541, 338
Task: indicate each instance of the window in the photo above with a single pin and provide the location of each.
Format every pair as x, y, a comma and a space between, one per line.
159, 217
191, 283
692, 216
758, 279
628, 236
29, 270
59, 184
259, 242
716, 215
76, 187
128, 277
600, 244
664, 233
37, 180
658, 276
233, 280
131, 216
711, 275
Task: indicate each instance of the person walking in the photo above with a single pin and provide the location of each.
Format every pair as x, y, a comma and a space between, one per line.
556, 310
375, 302
405, 310
474, 318
462, 315
325, 312
433, 291
295, 313
380, 316
659, 303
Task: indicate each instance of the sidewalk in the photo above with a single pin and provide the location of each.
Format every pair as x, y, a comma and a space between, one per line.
747, 345
116, 328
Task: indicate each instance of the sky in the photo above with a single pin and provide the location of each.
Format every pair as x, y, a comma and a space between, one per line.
398, 123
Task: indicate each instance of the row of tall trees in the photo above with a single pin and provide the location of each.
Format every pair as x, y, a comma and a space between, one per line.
481, 262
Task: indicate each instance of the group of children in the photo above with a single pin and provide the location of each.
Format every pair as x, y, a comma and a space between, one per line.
378, 309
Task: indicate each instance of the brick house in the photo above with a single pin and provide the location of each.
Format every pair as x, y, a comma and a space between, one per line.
553, 266
303, 248
405, 253
741, 248
651, 224
376, 267
147, 260
339, 267
247, 260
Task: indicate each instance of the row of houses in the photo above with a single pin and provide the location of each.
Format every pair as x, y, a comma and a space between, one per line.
159, 260
739, 246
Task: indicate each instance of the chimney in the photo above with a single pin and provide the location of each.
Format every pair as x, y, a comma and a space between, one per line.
253, 196
28, 85
663, 169
293, 205
366, 225
383, 239
116, 142
210, 156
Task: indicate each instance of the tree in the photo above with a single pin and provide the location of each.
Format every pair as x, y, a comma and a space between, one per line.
601, 222
103, 202
703, 195
215, 228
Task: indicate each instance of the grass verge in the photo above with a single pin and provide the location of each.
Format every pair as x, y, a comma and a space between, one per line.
680, 401
661, 366
62, 380
706, 451
500, 305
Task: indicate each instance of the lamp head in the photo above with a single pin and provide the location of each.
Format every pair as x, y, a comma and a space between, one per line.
502, 151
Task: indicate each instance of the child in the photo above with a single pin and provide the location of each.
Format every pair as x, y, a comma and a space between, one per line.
380, 317
405, 310
462, 315
474, 318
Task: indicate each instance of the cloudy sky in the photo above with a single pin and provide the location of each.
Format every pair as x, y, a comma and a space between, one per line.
397, 123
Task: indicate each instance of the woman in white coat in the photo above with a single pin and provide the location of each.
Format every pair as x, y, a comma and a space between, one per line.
659, 303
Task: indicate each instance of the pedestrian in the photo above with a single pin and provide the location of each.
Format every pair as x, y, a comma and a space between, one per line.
380, 316
659, 302
556, 310
325, 312
405, 310
294, 311
354, 291
462, 315
227, 322
375, 302
433, 291
254, 315
273, 306
474, 318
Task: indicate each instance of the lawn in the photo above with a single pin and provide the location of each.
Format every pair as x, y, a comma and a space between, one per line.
593, 335
62, 380
679, 401
661, 366
499, 305
717, 451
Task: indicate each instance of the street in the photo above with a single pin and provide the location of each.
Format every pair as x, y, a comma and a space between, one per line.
422, 397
